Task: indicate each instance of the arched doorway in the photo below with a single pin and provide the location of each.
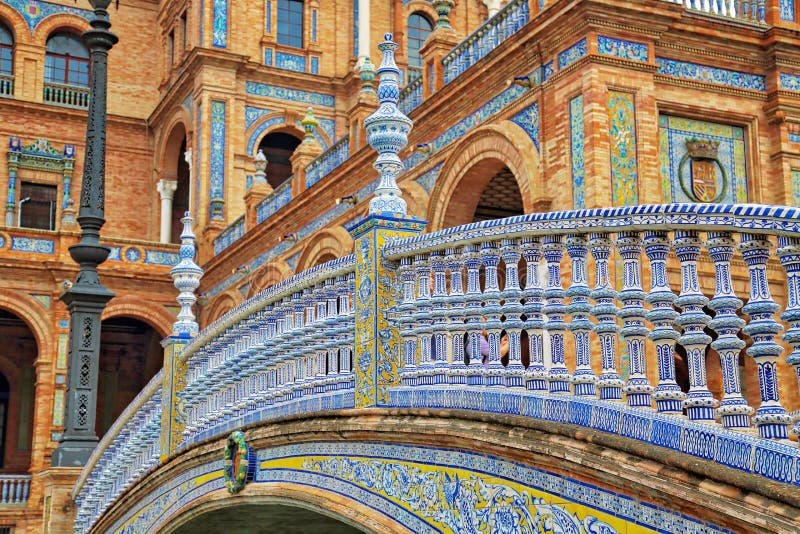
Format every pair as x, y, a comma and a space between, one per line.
264, 518
130, 355
174, 182
18, 353
180, 202
278, 147
500, 198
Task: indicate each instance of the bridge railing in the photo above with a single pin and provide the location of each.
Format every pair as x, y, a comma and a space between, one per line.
128, 450
287, 350
462, 343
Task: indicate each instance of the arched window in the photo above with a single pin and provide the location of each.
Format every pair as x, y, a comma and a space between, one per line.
66, 60
278, 147
419, 27
6, 50
290, 23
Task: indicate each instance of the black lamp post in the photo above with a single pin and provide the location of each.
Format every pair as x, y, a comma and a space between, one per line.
87, 297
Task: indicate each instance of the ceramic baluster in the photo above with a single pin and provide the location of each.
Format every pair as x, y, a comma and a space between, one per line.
699, 403
558, 376
439, 315
536, 373
668, 395
637, 390
455, 304
423, 320
512, 309
473, 313
605, 311
771, 418
733, 410
492, 312
406, 322
789, 253
579, 308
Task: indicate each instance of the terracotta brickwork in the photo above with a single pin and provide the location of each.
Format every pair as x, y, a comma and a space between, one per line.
181, 80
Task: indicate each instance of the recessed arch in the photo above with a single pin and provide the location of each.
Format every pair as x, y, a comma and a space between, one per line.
154, 314
267, 276
485, 151
24, 306
336, 242
172, 166
221, 305
276, 122
14, 22
59, 22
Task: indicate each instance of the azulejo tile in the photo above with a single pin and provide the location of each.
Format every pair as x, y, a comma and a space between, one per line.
704, 73
623, 154
285, 93
577, 161
572, 54
622, 48
35, 11
790, 81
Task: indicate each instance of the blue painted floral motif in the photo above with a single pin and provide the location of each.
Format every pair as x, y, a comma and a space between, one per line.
576, 129
794, 137
217, 158
428, 179
295, 95
796, 188
467, 505
220, 33
268, 57
549, 70
35, 11
622, 133
790, 81
132, 255
161, 257
290, 62
621, 48
528, 120
787, 10
252, 114
572, 54
704, 73
31, 244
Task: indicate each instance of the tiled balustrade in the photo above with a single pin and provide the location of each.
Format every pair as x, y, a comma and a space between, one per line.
128, 450
14, 489
287, 350
745, 10
410, 96
486, 38
70, 96
326, 162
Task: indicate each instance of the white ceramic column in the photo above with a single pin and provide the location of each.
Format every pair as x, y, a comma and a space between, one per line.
493, 6
363, 31
187, 156
166, 189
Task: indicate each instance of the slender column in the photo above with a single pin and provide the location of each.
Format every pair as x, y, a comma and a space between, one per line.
579, 308
11, 197
439, 317
699, 402
166, 189
422, 317
605, 311
455, 303
668, 395
536, 374
492, 312
638, 388
771, 418
473, 313
363, 30
87, 298
789, 253
558, 376
513, 309
733, 410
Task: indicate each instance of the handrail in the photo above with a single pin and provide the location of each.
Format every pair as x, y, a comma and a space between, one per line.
326, 162
229, 235
505, 23
410, 96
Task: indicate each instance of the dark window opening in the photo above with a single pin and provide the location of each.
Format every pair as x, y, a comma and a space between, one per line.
6, 51
66, 60
278, 149
290, 23
180, 200
184, 37
500, 198
37, 206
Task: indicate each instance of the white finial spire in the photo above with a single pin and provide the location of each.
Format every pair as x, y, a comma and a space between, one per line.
186, 275
387, 132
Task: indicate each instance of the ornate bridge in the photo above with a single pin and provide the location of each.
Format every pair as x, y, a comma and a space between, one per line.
361, 393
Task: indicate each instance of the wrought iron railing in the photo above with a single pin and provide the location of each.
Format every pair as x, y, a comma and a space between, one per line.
70, 96
326, 162
486, 38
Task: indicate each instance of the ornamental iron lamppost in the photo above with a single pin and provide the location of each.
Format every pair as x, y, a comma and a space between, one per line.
87, 297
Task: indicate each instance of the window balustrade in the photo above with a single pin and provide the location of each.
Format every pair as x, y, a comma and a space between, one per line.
14, 489
70, 96
6, 86
745, 10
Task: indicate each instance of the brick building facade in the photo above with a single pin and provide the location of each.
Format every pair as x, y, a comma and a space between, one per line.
546, 106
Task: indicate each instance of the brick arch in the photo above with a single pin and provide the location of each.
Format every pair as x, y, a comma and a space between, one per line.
221, 305
26, 307
151, 313
168, 142
14, 22
336, 241
476, 158
275, 123
419, 6
269, 275
60, 21
416, 198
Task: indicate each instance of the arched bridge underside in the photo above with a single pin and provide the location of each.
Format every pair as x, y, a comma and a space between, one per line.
392, 470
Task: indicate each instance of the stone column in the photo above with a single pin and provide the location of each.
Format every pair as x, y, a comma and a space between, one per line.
187, 157
363, 32
11, 198
166, 189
